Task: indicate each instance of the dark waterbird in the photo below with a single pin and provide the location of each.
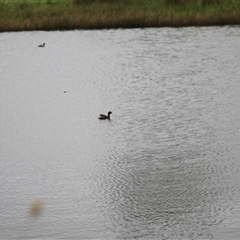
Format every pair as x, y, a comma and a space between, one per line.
104, 117
42, 45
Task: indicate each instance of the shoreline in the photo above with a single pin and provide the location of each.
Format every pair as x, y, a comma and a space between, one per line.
26, 15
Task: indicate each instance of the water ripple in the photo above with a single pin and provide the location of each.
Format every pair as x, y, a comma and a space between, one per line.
165, 166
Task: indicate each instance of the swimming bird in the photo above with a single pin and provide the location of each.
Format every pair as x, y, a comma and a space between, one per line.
104, 117
42, 45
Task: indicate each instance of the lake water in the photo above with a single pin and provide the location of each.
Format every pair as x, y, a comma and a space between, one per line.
167, 164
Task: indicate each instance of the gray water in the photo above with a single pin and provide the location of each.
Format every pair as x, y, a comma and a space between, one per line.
166, 166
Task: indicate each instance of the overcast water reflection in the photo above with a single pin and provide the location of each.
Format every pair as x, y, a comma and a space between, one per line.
166, 166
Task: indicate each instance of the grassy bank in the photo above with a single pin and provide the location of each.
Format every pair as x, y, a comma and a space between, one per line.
20, 15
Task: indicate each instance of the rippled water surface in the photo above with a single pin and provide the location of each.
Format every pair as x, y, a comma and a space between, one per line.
166, 166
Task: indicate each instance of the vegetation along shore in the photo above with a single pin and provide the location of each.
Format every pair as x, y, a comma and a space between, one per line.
26, 15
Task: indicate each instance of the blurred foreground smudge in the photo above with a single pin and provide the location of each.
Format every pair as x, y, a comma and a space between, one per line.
36, 207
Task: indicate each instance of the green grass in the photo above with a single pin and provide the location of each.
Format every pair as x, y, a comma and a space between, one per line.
20, 15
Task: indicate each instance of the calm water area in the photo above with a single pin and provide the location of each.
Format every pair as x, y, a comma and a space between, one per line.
167, 164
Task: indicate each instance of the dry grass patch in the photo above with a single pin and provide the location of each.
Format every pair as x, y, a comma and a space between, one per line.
97, 14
